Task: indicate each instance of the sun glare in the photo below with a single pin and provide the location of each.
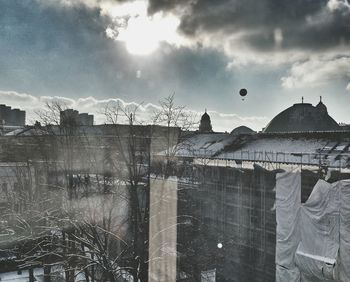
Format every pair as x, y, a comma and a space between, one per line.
141, 33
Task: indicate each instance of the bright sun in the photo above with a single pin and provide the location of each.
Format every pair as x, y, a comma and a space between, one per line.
142, 34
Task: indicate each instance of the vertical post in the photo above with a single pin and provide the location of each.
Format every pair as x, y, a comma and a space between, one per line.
163, 230
47, 271
31, 275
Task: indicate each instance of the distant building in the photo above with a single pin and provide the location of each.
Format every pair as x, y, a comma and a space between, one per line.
12, 117
69, 116
72, 117
242, 130
303, 117
86, 119
205, 124
344, 126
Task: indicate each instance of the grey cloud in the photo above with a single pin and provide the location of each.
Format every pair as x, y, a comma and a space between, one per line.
48, 48
51, 48
166, 5
62, 50
309, 24
318, 72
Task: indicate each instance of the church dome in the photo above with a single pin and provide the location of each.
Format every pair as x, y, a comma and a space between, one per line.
205, 123
322, 108
242, 130
303, 117
205, 117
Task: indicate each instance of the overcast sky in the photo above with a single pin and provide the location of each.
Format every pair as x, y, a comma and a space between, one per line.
87, 52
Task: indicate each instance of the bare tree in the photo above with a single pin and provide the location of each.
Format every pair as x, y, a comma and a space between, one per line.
138, 146
173, 116
91, 215
49, 210
132, 165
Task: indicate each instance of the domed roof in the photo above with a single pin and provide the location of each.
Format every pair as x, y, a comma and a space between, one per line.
303, 117
241, 130
322, 107
205, 117
205, 124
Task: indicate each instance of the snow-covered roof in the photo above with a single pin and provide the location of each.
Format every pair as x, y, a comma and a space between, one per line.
297, 148
203, 144
34, 131
310, 151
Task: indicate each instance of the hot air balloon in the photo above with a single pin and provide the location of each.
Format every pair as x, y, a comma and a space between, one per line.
243, 92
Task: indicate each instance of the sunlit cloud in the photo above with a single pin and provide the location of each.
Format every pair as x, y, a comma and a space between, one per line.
141, 33
318, 71
244, 38
334, 5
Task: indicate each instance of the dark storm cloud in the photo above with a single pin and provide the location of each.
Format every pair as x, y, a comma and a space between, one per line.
48, 47
49, 27
310, 24
200, 72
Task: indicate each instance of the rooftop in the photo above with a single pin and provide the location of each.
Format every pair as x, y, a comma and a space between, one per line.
303, 117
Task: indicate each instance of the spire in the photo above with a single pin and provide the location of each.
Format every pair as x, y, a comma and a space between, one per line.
321, 107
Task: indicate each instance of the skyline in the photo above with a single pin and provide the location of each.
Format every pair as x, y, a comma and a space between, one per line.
142, 51
143, 113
